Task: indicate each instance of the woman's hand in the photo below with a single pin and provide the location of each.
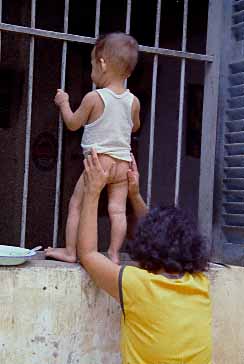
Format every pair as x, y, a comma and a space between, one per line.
139, 206
133, 179
95, 178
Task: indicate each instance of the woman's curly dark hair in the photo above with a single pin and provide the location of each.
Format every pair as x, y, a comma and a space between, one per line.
167, 238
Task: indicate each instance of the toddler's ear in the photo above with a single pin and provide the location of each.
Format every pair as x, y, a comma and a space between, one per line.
103, 65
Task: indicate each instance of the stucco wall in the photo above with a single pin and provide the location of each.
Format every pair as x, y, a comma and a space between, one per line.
51, 313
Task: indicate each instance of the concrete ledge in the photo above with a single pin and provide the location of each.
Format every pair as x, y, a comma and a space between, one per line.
227, 287
52, 313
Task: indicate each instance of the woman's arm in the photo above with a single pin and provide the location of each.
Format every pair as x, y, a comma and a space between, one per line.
103, 271
139, 207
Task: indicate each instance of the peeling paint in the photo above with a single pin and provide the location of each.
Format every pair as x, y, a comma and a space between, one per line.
69, 360
56, 344
39, 339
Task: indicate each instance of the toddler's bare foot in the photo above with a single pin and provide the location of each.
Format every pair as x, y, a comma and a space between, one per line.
114, 256
60, 254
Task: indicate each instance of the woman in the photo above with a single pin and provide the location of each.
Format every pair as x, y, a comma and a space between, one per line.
165, 302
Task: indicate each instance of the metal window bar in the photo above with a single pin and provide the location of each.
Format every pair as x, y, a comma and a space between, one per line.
181, 106
60, 130
97, 27
128, 17
183, 55
127, 25
90, 40
28, 127
153, 106
1, 10
97, 22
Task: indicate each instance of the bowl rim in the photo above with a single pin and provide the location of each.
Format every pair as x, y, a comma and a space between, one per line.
28, 254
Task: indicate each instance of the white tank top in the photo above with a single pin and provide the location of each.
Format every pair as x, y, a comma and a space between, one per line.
111, 132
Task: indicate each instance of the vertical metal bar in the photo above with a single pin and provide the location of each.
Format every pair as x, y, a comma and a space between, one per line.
1, 8
127, 26
128, 17
97, 22
153, 106
97, 26
181, 106
60, 130
28, 127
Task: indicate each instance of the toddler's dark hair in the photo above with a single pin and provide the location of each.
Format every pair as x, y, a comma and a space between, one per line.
166, 238
118, 49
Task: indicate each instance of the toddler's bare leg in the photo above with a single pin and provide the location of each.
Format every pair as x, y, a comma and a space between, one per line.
68, 254
117, 195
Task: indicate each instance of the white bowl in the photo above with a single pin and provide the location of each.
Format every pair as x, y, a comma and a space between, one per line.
12, 255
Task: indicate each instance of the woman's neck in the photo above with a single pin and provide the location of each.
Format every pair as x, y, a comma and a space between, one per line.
172, 275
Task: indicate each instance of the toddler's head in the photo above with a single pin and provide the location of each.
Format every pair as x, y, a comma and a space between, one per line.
116, 53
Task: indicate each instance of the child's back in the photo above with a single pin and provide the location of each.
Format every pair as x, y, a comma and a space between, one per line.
111, 133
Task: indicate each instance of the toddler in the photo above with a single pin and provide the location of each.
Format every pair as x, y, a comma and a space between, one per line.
109, 115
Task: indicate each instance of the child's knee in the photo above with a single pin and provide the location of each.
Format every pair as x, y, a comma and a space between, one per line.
115, 209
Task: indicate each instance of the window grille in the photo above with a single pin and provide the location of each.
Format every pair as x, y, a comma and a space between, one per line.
210, 60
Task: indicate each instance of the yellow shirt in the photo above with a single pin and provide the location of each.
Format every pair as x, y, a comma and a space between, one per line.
165, 321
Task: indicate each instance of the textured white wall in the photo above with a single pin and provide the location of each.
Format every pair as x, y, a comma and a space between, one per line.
51, 313
227, 287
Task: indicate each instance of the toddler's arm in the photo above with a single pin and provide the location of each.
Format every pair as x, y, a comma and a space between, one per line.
136, 114
74, 120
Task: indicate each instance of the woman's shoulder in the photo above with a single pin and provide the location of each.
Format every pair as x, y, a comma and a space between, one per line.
130, 276
133, 283
133, 270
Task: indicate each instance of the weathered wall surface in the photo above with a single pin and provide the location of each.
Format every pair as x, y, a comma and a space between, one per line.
51, 313
227, 287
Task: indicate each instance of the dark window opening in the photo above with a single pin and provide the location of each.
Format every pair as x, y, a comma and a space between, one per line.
47, 76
